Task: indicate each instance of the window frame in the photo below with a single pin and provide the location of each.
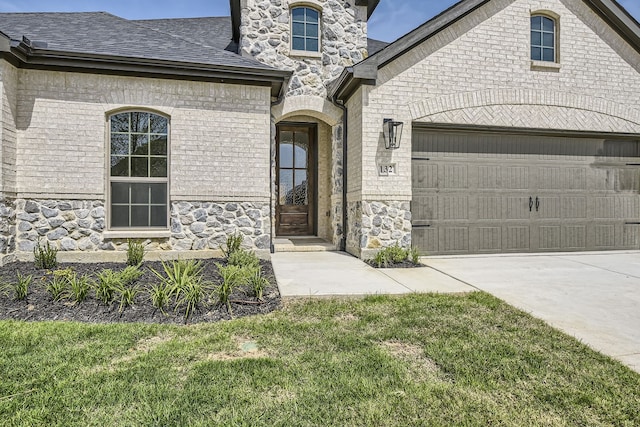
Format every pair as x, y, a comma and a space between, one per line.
136, 180
555, 19
306, 7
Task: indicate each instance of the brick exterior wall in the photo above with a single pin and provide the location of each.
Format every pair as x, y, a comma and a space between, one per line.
8, 99
219, 160
478, 72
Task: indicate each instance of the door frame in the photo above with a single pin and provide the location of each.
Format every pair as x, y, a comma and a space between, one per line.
312, 173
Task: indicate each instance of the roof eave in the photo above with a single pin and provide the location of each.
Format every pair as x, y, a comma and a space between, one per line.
106, 64
621, 21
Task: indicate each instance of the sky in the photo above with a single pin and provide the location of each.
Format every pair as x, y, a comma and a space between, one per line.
391, 20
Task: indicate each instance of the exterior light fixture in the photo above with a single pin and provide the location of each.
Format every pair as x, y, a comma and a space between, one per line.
392, 133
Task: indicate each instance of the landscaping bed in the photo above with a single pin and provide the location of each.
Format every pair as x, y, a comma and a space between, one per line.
39, 304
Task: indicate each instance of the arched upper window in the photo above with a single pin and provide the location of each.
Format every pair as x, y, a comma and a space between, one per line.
305, 29
543, 38
138, 174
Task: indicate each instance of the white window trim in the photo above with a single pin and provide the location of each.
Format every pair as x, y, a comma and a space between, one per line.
556, 20
305, 53
135, 232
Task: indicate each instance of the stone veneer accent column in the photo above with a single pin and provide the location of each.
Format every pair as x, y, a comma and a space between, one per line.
376, 225
337, 171
7, 229
265, 35
78, 225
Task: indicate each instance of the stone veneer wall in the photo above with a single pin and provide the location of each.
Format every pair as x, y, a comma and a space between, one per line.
265, 35
374, 225
337, 171
79, 225
7, 228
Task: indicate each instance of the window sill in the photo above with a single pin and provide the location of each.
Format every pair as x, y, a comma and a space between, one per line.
545, 65
136, 234
306, 54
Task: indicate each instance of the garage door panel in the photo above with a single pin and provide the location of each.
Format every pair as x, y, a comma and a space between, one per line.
629, 236
489, 239
489, 207
549, 237
548, 207
454, 207
426, 238
562, 178
517, 207
574, 237
454, 176
489, 176
574, 207
478, 192
454, 239
516, 238
605, 236
425, 175
516, 178
424, 208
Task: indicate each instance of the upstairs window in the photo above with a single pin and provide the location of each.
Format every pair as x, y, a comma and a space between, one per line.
305, 29
543, 39
138, 177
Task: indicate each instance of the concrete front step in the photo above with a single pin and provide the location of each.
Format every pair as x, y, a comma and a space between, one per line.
302, 244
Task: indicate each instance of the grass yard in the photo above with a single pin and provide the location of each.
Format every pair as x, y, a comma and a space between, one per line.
423, 360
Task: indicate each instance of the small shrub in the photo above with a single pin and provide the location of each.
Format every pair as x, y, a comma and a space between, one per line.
414, 255
232, 245
232, 277
395, 255
190, 296
45, 257
258, 283
21, 287
127, 296
244, 258
159, 296
58, 285
78, 287
107, 285
179, 274
129, 275
381, 259
135, 253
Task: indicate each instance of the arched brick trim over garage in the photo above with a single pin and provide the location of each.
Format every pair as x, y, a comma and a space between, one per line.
529, 108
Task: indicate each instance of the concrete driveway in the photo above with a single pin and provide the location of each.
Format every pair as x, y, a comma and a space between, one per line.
592, 296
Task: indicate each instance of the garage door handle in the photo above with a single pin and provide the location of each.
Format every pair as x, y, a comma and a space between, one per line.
530, 203
537, 204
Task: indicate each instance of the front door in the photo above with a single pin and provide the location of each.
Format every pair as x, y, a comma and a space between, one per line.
295, 170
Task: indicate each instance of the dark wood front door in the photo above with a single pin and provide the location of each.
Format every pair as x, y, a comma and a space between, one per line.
295, 168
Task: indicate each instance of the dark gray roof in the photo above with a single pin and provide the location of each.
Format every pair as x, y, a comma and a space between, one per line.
214, 31
375, 46
100, 33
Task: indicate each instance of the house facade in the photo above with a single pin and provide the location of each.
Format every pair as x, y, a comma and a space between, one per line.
516, 125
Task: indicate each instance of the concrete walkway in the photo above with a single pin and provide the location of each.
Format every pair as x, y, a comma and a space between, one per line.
321, 274
592, 296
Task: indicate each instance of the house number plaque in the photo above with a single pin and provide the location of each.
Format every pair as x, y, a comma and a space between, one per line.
387, 169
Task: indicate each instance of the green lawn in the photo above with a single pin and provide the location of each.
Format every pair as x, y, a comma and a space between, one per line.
423, 360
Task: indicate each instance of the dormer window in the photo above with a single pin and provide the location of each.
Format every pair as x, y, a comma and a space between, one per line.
543, 38
305, 29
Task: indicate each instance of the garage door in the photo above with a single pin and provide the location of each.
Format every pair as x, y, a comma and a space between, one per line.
496, 192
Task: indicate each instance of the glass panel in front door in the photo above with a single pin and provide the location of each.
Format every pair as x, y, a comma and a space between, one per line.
294, 153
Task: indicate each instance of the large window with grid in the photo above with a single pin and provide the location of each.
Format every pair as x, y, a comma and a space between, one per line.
305, 29
543, 39
138, 175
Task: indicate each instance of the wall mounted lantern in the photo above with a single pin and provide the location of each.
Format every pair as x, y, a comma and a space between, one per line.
392, 133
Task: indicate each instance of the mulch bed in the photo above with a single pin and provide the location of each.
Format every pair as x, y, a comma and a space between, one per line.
40, 306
